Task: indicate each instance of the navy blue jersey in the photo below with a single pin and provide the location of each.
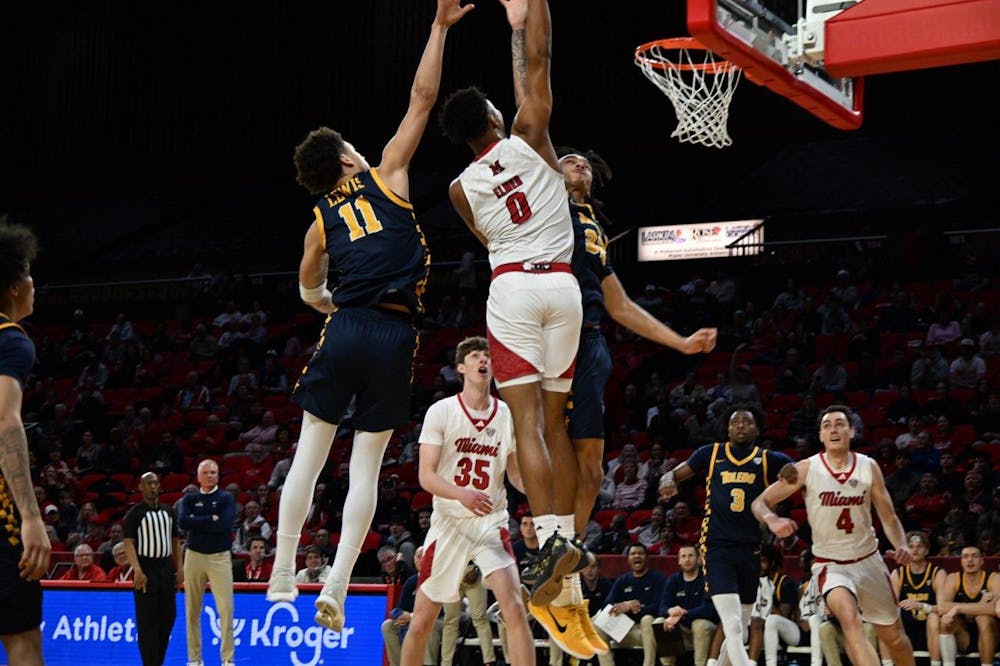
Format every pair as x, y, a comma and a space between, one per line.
918, 587
648, 589
590, 260
733, 479
786, 591
374, 243
17, 357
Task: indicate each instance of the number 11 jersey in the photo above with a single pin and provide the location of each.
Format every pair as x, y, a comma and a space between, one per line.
474, 449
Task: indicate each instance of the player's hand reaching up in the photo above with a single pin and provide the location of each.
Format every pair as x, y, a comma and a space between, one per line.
475, 501
517, 12
450, 12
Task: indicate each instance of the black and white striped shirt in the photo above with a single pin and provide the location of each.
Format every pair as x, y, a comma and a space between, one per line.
152, 529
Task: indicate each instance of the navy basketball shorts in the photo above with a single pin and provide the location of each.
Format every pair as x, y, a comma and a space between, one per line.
586, 401
917, 631
20, 601
733, 570
366, 354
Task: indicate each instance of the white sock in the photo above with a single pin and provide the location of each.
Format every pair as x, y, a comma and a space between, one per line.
949, 649
566, 529
935, 662
711, 662
565, 525
359, 507
734, 618
297, 493
753, 662
545, 526
887, 662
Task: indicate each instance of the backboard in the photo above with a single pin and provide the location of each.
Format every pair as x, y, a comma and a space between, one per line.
780, 44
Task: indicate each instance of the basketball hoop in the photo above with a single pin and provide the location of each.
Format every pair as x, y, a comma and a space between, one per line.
699, 88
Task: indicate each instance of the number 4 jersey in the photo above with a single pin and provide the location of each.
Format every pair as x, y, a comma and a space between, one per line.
838, 503
519, 204
474, 449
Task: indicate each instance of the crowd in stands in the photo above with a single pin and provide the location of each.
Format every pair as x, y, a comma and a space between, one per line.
918, 361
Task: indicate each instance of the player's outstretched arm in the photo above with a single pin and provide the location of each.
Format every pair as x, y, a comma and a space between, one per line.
16, 468
517, 14
474, 500
791, 478
629, 314
532, 120
397, 154
891, 524
313, 269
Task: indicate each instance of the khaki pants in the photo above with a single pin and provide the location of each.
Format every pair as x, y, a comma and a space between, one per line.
394, 646
476, 594
642, 634
697, 637
217, 569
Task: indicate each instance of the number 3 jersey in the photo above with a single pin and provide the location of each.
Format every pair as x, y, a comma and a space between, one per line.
519, 204
838, 503
474, 449
374, 243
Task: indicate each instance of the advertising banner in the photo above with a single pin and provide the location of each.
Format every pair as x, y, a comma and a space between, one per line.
97, 627
697, 241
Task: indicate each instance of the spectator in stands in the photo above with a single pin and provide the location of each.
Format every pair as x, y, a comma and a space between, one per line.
89, 407
204, 346
687, 393
316, 568
50, 516
400, 539
929, 368
977, 499
211, 437
630, 492
830, 377
106, 548
742, 390
924, 457
927, 507
898, 373
803, 421
83, 566
87, 455
389, 503
322, 541
255, 568
652, 302
122, 328
245, 376
989, 342
394, 628
656, 465
527, 546
979, 460
949, 475
944, 330
122, 570
193, 395
833, 317
253, 525
954, 532
616, 538
968, 368
394, 569
908, 439
636, 593
273, 380
903, 482
667, 544
94, 370
264, 433
85, 516
686, 526
231, 314
649, 533
987, 423
944, 404
989, 521
629, 453
967, 600
792, 376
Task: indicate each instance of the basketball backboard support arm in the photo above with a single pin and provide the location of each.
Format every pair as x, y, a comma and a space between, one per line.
878, 36
778, 53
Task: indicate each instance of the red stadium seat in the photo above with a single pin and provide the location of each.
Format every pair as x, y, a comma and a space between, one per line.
638, 517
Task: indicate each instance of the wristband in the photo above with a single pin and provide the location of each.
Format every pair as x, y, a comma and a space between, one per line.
314, 294
928, 608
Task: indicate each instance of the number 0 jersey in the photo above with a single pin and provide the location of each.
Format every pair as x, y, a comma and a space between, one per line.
474, 449
839, 506
519, 204
374, 243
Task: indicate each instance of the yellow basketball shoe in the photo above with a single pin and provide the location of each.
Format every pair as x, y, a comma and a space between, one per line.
583, 611
563, 626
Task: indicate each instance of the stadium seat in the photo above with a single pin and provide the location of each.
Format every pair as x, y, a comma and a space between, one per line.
638, 517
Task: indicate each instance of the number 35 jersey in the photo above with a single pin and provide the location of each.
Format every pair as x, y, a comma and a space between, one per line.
519, 204
474, 449
838, 503
374, 243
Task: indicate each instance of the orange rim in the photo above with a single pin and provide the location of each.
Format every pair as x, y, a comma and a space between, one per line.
678, 44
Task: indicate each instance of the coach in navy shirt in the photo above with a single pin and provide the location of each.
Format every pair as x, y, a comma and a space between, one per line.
636, 593
685, 607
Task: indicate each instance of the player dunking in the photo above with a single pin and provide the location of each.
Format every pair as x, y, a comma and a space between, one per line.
466, 446
512, 198
365, 226
736, 473
840, 487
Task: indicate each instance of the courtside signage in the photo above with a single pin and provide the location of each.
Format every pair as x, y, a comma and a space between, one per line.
698, 241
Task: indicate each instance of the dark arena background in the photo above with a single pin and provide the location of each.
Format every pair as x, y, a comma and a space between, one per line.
150, 149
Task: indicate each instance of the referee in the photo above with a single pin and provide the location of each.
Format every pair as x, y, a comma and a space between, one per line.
152, 540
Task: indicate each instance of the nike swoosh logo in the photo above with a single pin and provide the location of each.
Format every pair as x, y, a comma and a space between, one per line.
560, 627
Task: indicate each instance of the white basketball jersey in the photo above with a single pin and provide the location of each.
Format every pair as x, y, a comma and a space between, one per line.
839, 506
519, 204
474, 450
764, 604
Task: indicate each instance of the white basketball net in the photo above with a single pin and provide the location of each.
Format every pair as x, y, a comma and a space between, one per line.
700, 91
